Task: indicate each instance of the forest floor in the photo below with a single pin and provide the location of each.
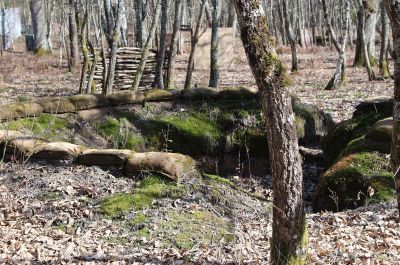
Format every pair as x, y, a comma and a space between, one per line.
24, 77
50, 213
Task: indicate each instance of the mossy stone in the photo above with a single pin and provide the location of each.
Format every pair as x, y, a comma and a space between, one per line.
345, 184
343, 133
381, 131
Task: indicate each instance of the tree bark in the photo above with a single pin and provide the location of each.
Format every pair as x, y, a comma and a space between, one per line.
39, 23
195, 40
290, 35
159, 79
339, 75
383, 57
393, 10
73, 37
174, 45
214, 67
116, 38
289, 236
146, 48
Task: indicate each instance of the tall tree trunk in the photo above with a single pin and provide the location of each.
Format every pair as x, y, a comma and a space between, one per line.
73, 37
393, 10
214, 67
195, 40
146, 48
289, 236
366, 17
115, 39
39, 23
139, 10
365, 49
174, 45
339, 75
109, 21
84, 47
383, 57
290, 35
159, 80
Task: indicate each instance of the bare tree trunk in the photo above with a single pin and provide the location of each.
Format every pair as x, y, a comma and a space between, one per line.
159, 80
174, 45
146, 48
339, 75
39, 23
195, 40
393, 10
109, 21
290, 35
383, 57
139, 10
73, 37
370, 72
116, 37
214, 67
84, 48
289, 236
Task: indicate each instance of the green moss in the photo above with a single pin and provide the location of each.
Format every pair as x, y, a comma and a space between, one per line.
45, 126
119, 134
363, 144
345, 132
300, 126
352, 175
186, 229
220, 179
50, 196
151, 188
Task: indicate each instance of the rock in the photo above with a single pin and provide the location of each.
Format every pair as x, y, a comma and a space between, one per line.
155, 95
57, 151
175, 166
54, 105
126, 97
237, 93
344, 133
24, 147
201, 93
89, 101
381, 105
345, 184
381, 131
19, 110
312, 123
6, 135
107, 157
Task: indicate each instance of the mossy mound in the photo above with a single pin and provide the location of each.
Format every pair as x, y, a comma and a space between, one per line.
342, 134
120, 134
381, 131
381, 105
363, 144
46, 126
184, 230
152, 187
346, 184
19, 110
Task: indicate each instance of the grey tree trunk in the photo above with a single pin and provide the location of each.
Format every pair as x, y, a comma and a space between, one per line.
146, 48
195, 40
159, 79
367, 15
393, 10
370, 72
139, 10
383, 57
73, 37
290, 35
214, 67
289, 236
174, 45
339, 75
115, 39
109, 21
40, 31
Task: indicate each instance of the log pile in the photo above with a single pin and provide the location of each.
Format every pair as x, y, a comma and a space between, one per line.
128, 60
